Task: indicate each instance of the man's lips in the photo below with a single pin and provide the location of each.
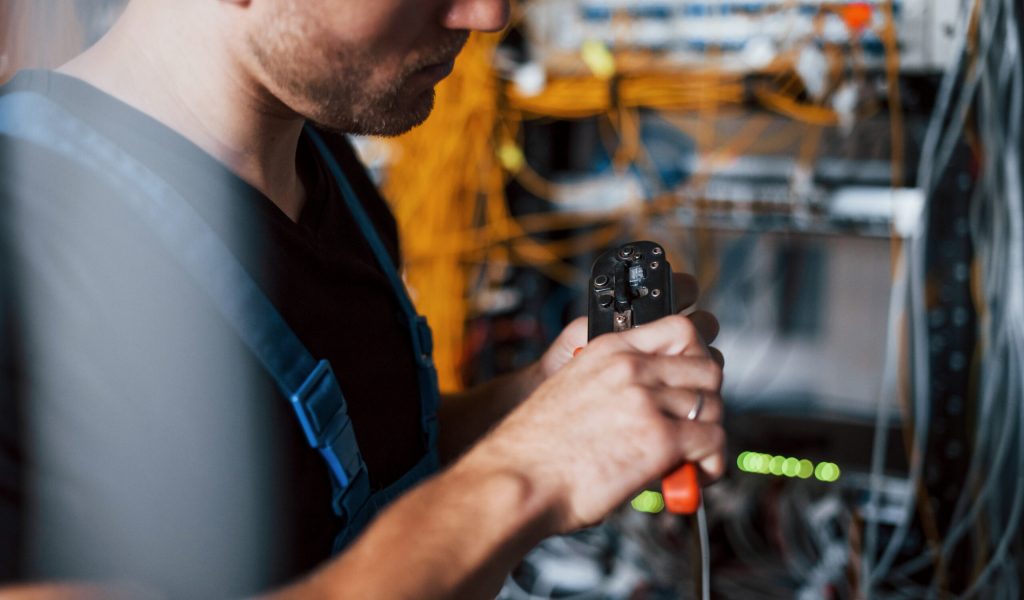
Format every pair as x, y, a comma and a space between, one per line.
436, 72
446, 53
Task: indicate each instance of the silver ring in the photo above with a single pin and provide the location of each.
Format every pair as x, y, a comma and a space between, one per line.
695, 411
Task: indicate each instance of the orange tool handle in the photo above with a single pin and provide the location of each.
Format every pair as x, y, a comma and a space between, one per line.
681, 490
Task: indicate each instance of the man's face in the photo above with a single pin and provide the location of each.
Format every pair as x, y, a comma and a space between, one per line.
358, 66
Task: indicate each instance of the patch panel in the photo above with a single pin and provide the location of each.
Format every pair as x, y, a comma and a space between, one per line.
744, 35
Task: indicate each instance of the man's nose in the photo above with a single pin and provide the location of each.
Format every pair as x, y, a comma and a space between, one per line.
477, 15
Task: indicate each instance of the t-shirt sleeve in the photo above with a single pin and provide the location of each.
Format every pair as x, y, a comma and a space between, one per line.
129, 412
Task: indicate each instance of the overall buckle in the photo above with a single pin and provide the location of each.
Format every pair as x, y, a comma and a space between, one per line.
323, 414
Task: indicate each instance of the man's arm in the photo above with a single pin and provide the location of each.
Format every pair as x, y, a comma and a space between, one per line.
457, 536
78, 591
590, 436
464, 417
467, 415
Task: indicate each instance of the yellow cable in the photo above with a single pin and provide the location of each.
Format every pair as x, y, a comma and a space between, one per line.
433, 187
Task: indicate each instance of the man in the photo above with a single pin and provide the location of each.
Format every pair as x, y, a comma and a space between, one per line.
151, 448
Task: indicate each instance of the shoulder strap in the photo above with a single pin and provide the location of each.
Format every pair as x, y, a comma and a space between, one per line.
362, 220
419, 330
310, 385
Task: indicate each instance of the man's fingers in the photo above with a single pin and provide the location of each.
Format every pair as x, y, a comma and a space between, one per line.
711, 468
680, 403
573, 336
671, 335
717, 356
683, 372
685, 291
706, 324
704, 444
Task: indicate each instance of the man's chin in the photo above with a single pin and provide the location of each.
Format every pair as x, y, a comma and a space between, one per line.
378, 121
402, 121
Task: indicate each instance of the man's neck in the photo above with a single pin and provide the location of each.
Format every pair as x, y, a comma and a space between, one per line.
202, 94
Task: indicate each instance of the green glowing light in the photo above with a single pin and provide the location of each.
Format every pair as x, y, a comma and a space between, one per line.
827, 472
648, 502
783, 466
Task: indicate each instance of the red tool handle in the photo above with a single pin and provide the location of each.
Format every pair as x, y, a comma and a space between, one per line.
681, 490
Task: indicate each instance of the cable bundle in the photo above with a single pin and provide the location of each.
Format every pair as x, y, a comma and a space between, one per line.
448, 178
448, 193
988, 82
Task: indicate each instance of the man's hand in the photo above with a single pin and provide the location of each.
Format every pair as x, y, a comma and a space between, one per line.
613, 419
685, 294
465, 416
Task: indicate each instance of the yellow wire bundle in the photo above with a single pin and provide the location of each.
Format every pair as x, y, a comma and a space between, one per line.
446, 182
579, 97
440, 171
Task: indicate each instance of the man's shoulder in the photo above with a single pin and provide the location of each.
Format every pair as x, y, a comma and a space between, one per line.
45, 115
151, 142
29, 80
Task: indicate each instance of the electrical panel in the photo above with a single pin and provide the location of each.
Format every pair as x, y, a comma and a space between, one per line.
742, 35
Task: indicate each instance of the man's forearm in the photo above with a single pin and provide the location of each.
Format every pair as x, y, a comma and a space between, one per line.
466, 416
457, 536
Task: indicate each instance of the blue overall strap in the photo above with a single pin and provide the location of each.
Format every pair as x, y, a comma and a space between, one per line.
310, 385
422, 343
419, 330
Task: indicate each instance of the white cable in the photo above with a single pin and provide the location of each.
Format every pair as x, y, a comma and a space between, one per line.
921, 396
705, 552
886, 394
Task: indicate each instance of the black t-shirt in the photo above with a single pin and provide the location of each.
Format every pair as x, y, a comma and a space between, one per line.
139, 438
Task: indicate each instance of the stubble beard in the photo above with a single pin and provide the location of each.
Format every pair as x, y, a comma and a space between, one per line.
347, 103
337, 89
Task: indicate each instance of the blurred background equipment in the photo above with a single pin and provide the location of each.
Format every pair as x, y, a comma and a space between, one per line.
843, 177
